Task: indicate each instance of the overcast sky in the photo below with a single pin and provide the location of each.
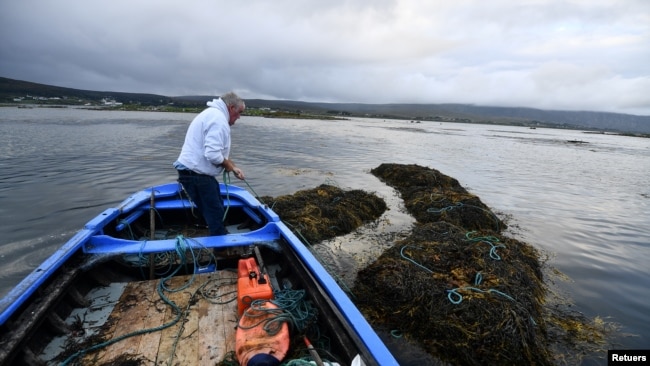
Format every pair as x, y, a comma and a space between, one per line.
548, 54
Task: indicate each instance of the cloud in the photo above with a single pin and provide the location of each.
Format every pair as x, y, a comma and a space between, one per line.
552, 54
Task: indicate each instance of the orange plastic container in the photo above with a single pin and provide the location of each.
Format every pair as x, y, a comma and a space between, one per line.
254, 345
249, 287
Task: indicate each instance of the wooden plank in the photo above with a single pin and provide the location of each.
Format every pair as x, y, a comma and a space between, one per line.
131, 315
170, 347
218, 319
149, 342
205, 333
187, 347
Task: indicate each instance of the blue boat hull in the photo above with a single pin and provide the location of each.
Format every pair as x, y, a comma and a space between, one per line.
107, 236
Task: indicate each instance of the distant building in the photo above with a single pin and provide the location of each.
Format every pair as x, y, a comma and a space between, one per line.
110, 102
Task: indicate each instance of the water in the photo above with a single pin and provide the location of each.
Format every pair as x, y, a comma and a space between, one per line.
585, 204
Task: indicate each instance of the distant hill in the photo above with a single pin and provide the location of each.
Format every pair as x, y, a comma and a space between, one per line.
11, 89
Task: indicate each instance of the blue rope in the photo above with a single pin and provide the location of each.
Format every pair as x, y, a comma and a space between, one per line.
478, 278
460, 204
444, 209
487, 240
411, 260
457, 298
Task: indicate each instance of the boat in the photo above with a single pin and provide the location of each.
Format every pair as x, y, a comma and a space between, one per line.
144, 283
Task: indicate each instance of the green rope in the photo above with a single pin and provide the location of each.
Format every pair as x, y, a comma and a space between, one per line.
302, 312
254, 193
453, 295
95, 347
293, 308
128, 225
271, 324
226, 182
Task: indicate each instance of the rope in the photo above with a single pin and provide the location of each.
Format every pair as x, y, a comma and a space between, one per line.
487, 240
174, 307
226, 182
271, 324
294, 302
401, 252
444, 209
293, 308
460, 204
457, 298
254, 193
453, 295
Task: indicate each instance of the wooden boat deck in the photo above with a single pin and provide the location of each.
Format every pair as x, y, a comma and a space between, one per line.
204, 334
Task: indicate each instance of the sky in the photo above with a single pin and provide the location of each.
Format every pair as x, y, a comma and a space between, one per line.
547, 54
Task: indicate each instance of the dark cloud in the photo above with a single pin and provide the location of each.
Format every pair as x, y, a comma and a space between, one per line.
579, 54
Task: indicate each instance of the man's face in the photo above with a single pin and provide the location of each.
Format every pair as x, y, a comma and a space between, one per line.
235, 112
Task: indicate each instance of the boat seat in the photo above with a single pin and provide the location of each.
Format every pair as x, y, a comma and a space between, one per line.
105, 244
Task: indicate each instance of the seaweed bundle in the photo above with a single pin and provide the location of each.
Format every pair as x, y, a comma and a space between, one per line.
326, 211
456, 286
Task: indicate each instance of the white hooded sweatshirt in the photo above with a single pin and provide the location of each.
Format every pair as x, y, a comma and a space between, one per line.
207, 142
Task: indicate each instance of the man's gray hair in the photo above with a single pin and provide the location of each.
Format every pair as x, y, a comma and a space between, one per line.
233, 99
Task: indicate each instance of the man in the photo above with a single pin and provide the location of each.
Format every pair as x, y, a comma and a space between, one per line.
206, 154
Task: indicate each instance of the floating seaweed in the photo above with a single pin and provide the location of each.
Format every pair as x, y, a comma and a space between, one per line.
326, 211
430, 196
456, 286
458, 297
460, 289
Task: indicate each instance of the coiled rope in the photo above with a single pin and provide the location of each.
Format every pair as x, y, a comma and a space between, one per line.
293, 308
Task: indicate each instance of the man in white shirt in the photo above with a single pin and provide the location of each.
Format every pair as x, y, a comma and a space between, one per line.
206, 154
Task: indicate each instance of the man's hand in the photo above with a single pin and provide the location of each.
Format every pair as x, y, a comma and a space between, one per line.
230, 167
238, 173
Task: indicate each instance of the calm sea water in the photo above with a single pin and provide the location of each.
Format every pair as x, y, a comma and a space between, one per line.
587, 205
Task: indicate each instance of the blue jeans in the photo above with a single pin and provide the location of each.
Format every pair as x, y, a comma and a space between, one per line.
204, 192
